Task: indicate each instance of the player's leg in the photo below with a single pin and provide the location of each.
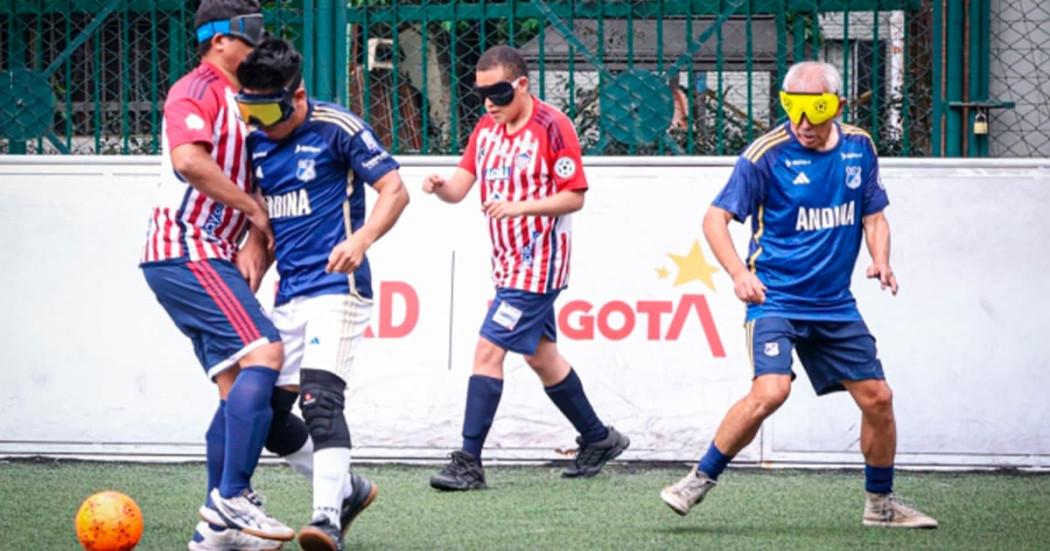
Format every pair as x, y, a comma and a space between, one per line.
289, 437
484, 390
843, 356
769, 343
597, 443
202, 311
335, 326
242, 336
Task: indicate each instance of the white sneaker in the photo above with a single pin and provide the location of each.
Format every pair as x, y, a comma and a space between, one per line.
207, 539
888, 510
245, 513
687, 492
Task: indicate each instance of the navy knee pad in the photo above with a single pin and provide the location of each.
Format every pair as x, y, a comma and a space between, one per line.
322, 401
288, 432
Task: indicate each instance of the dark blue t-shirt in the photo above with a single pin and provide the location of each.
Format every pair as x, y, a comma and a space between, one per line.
312, 184
806, 209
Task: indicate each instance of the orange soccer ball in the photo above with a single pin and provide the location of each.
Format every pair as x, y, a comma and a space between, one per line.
109, 521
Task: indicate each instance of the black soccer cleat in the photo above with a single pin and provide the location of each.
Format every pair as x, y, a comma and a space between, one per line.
590, 458
463, 472
320, 535
364, 494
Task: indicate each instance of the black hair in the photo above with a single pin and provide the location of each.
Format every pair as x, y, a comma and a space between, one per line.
510, 59
218, 10
272, 65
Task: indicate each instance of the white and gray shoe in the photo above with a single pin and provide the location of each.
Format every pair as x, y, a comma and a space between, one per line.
207, 539
687, 492
888, 510
245, 512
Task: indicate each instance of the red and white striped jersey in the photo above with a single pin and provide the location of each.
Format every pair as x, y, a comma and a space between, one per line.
529, 253
185, 224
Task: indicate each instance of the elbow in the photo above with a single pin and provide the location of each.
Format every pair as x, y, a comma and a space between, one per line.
577, 202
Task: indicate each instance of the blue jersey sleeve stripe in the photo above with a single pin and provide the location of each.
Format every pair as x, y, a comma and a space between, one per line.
331, 114
348, 228
337, 122
752, 262
757, 144
767, 145
851, 130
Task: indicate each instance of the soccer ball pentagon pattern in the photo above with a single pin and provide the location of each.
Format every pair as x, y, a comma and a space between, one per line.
109, 521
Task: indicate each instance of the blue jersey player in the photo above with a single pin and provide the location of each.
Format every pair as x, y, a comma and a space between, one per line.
811, 188
312, 161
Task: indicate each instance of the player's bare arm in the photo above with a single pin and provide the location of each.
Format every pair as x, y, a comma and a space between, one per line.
253, 260
393, 197
877, 236
559, 204
450, 190
747, 286
195, 164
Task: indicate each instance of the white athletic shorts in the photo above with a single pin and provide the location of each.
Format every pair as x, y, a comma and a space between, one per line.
321, 332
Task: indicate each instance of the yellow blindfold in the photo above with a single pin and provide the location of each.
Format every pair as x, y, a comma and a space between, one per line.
818, 108
263, 115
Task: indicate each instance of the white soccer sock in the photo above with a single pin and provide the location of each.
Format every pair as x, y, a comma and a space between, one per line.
302, 460
331, 476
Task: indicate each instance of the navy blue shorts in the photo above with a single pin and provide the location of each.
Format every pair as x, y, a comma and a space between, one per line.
211, 303
517, 319
830, 352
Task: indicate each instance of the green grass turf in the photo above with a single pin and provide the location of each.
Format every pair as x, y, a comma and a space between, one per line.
532, 508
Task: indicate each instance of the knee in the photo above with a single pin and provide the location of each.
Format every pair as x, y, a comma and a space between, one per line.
322, 401
270, 355
488, 360
766, 399
880, 401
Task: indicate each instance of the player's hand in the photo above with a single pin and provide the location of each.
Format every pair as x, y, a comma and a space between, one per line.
499, 209
258, 218
749, 288
348, 255
884, 274
432, 183
252, 261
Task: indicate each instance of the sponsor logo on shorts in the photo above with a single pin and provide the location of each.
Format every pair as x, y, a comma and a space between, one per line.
506, 316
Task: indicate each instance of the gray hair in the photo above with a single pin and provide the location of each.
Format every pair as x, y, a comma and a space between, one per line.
832, 79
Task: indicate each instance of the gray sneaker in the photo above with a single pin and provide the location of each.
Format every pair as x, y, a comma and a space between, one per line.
364, 494
590, 458
687, 492
245, 513
888, 510
321, 535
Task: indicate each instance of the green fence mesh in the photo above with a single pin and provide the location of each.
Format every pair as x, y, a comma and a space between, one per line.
637, 77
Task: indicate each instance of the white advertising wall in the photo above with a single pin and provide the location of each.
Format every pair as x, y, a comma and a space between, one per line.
93, 367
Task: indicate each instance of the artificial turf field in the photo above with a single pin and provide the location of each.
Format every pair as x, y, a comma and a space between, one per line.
532, 508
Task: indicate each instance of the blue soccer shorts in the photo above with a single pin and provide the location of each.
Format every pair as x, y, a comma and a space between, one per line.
830, 352
517, 320
211, 303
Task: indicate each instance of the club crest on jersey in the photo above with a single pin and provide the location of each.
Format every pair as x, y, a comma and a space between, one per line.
194, 122
853, 177
305, 170
523, 160
565, 167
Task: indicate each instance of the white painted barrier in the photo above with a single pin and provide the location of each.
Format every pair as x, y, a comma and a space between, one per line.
94, 367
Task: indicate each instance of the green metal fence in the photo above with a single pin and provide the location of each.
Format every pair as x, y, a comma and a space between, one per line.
637, 77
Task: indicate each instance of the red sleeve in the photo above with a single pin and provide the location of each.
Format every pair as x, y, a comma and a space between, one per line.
468, 161
566, 163
188, 120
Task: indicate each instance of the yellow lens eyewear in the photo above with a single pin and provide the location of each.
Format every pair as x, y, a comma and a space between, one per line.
260, 114
818, 108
